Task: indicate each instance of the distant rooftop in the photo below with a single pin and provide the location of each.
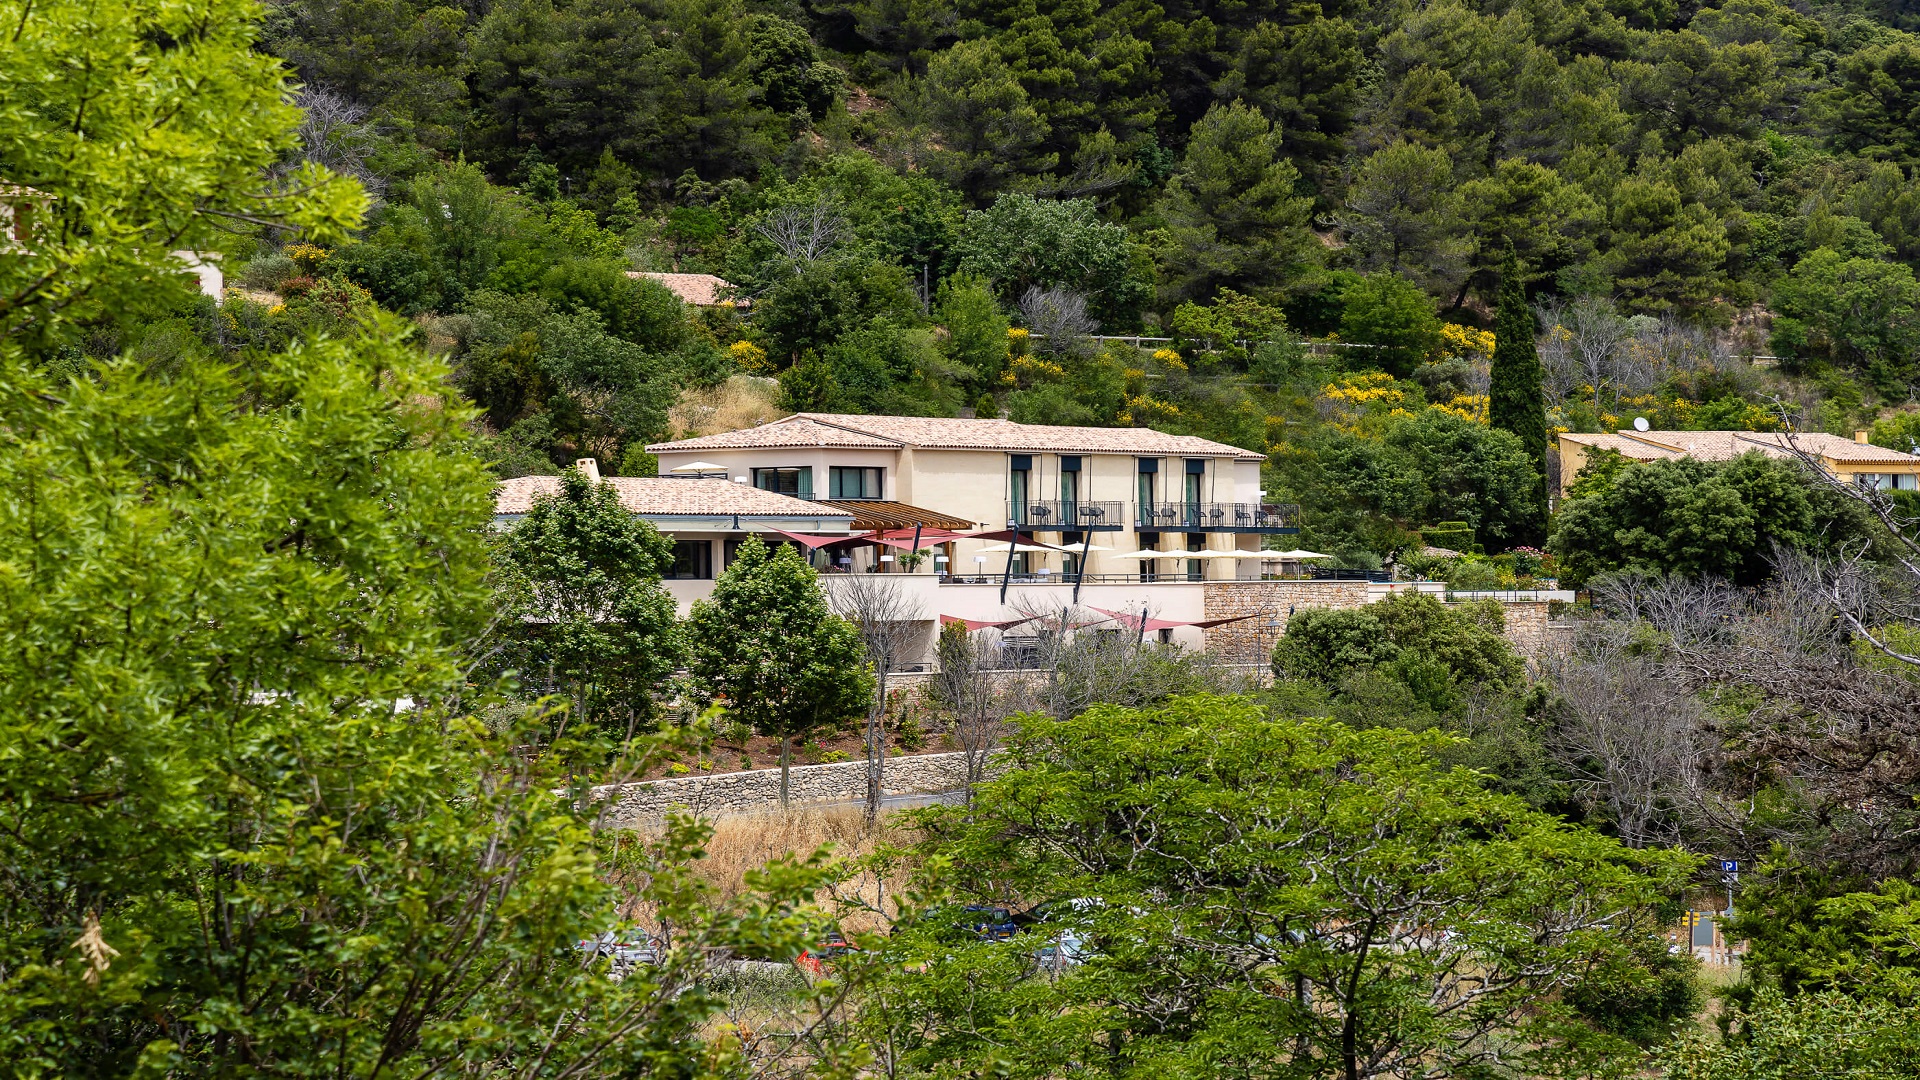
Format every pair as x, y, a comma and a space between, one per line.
938, 433
699, 290
658, 496
1725, 445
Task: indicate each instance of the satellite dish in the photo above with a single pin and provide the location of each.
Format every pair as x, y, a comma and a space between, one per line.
1639, 423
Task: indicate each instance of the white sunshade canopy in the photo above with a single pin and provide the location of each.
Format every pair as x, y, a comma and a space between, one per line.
698, 466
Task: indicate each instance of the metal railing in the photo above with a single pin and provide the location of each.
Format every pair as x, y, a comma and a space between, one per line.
1218, 517
1346, 573
1057, 515
1071, 579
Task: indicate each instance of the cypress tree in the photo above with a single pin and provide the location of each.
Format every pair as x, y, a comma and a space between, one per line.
1515, 401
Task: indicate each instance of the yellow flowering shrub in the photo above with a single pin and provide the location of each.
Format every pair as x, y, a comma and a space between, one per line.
748, 357
1018, 340
1170, 359
1465, 342
307, 257
1466, 406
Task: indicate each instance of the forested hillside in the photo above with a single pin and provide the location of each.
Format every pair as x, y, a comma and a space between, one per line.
892, 186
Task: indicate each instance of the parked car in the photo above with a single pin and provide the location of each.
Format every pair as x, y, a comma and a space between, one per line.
624, 947
989, 923
831, 948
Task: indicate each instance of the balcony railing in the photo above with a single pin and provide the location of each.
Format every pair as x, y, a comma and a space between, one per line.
1219, 517
1056, 516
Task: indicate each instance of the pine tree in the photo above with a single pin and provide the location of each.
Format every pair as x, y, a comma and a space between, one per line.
1515, 401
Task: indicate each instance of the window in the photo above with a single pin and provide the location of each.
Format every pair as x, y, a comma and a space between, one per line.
1069, 486
692, 560
730, 548
1144, 492
795, 482
853, 482
1196, 568
1017, 485
1891, 481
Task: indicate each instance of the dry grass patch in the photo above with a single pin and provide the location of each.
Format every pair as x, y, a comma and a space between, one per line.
742, 401
743, 842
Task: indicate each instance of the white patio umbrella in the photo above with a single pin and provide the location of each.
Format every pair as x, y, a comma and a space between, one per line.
1144, 553
698, 466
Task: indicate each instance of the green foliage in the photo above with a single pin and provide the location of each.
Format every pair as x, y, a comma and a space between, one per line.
1515, 400
1257, 877
240, 612
1436, 652
1826, 1036
1391, 312
1234, 220
826, 300
767, 646
157, 148
1858, 313
1021, 241
1421, 470
1690, 517
976, 340
581, 583
596, 394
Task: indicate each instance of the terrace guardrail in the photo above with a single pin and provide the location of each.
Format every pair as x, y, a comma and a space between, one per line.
1055, 515
1218, 517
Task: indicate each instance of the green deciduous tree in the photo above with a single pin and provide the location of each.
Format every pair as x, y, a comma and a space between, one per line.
767, 646
1391, 312
251, 826
1432, 647
976, 328
1516, 400
1233, 219
1233, 893
1692, 517
1021, 241
1858, 313
1832, 1034
581, 586
151, 128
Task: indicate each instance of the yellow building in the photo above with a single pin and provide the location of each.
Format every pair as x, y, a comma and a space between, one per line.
1849, 460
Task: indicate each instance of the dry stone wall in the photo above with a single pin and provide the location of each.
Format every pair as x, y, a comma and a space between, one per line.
758, 789
1252, 640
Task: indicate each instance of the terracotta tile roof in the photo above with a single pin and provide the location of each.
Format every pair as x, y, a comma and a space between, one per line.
1724, 445
700, 290
955, 434
792, 431
668, 496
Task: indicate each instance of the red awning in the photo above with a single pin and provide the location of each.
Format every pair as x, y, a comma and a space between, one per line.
1132, 621
1204, 623
984, 624
812, 541
1017, 536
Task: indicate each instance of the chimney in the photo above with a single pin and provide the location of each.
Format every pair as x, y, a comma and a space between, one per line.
589, 468
1861, 437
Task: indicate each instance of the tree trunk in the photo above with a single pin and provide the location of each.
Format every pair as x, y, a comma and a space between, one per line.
876, 751
786, 741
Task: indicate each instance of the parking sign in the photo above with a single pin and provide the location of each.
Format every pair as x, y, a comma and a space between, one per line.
1729, 866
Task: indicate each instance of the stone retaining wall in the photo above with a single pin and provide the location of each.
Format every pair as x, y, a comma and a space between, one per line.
758, 789
1252, 641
